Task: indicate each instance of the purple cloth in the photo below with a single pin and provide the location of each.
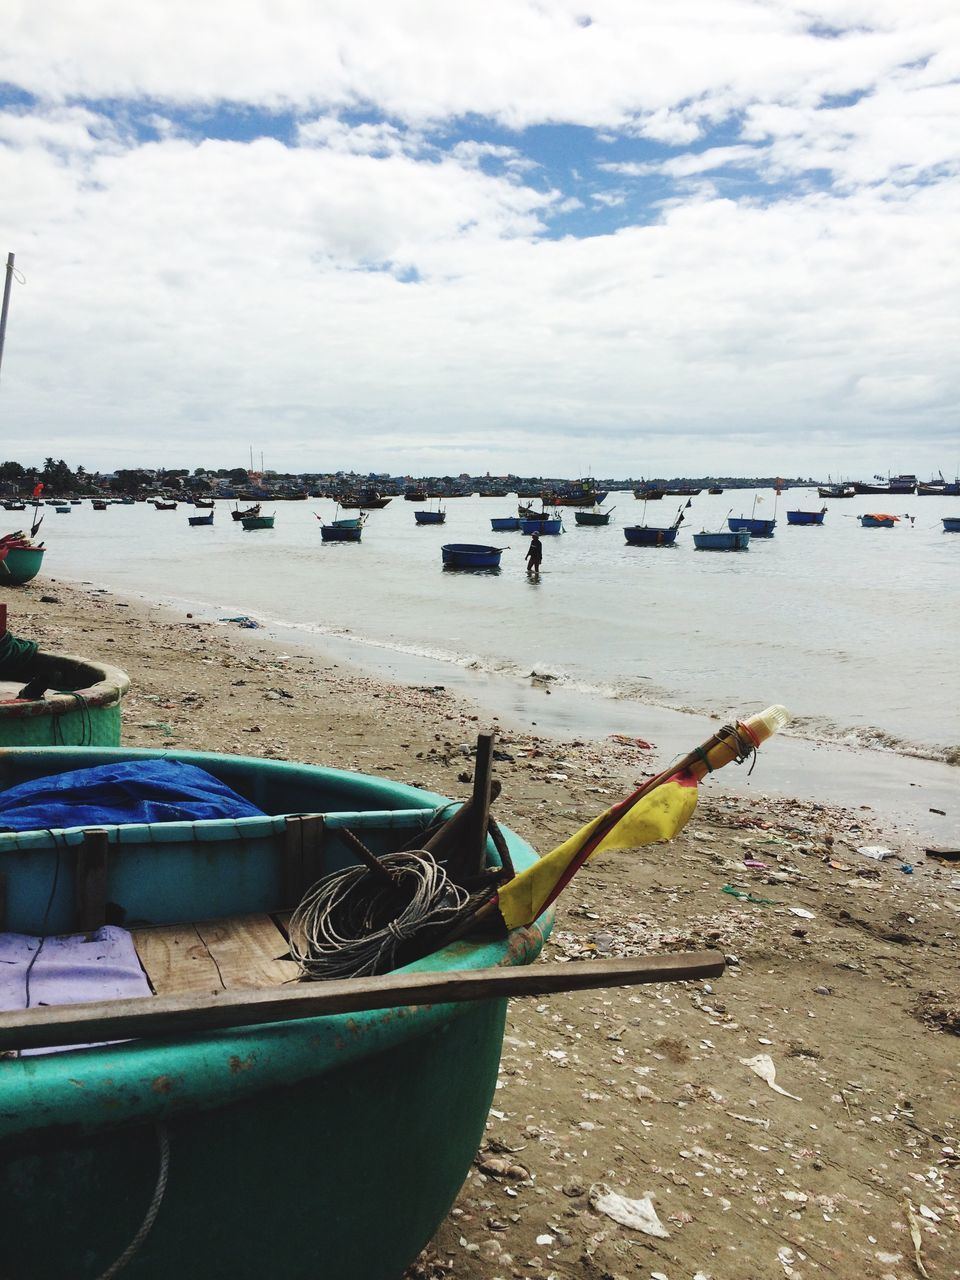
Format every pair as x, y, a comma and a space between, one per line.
72, 969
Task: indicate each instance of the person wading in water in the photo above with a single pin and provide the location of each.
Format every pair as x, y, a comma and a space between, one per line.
534, 556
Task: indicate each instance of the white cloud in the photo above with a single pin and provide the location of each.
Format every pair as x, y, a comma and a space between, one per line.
372, 139
385, 283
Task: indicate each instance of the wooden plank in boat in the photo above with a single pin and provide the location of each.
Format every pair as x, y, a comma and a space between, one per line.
91, 882
176, 960
246, 950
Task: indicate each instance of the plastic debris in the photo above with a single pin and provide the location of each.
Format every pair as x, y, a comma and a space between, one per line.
762, 1066
876, 851
748, 897
916, 1237
243, 621
627, 741
640, 1215
803, 913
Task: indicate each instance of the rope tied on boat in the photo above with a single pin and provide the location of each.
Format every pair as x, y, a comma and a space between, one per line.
86, 723
146, 1226
352, 924
745, 749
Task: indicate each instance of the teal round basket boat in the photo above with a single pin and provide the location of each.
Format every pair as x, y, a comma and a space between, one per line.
20, 565
72, 701
330, 1147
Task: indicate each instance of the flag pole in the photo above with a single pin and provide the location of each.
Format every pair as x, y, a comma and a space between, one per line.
6, 303
736, 741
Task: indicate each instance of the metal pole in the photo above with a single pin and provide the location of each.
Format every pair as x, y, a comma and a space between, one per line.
6, 304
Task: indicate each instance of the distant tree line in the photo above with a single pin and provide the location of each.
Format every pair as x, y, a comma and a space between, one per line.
58, 478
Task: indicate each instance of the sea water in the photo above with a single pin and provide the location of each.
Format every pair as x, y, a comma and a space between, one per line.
853, 629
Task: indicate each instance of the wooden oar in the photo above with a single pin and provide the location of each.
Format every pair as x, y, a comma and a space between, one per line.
191, 1015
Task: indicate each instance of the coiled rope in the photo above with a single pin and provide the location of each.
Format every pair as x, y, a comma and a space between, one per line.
352, 923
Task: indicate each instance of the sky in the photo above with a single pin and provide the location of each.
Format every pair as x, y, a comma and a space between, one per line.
549, 237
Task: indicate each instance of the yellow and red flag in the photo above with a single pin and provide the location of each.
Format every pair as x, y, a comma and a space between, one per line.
643, 818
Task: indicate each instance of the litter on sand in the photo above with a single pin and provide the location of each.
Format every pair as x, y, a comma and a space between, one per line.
762, 1066
748, 897
876, 851
243, 621
638, 1214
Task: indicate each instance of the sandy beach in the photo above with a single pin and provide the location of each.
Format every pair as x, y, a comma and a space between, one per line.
842, 974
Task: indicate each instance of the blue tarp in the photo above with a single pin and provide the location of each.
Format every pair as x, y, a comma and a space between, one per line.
115, 794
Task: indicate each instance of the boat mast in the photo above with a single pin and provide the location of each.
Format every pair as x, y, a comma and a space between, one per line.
6, 303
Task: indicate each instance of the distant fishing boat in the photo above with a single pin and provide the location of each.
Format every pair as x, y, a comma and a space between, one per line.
341, 533
197, 520
366, 499
505, 524
258, 522
243, 513
468, 555
806, 517
99, 504
715, 490
64, 510
346, 522
896, 484
14, 506
592, 519
877, 520
756, 527
203, 503
732, 540
430, 517
537, 525
343, 528
582, 493
415, 495
161, 505
645, 535
938, 488
951, 524
836, 491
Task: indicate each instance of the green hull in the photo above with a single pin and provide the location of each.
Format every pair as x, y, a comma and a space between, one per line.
258, 522
83, 712
332, 1147
21, 565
